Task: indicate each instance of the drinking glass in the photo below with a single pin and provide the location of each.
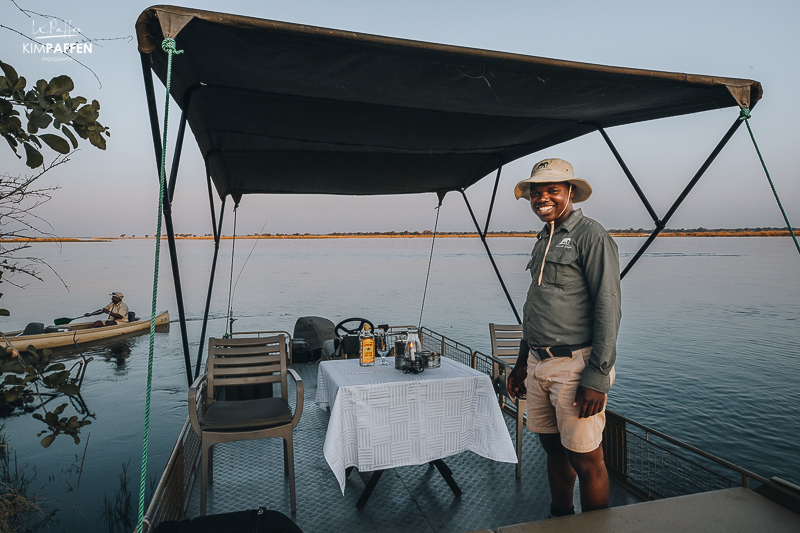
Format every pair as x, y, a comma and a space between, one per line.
382, 347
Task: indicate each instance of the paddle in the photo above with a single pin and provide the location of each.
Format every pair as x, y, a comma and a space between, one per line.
64, 320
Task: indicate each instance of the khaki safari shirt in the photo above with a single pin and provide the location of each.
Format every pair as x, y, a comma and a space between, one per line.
579, 299
120, 308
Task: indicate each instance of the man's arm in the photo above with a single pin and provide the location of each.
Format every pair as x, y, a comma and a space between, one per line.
601, 272
516, 380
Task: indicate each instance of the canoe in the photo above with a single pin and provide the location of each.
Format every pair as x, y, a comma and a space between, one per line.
80, 333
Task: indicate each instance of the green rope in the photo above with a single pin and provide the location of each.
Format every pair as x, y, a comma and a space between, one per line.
169, 47
745, 115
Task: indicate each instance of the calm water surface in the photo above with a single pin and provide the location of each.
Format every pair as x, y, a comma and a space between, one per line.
707, 352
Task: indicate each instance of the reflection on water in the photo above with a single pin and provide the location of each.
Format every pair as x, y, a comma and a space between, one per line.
707, 349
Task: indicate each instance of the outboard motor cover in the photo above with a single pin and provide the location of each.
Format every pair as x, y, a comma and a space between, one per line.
309, 334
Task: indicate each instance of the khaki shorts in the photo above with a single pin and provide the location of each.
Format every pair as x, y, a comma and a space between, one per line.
552, 385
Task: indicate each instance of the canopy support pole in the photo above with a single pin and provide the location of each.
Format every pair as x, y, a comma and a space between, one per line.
167, 209
627, 172
217, 234
486, 245
661, 224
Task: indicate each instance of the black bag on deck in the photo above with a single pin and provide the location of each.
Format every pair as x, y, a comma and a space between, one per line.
253, 521
309, 334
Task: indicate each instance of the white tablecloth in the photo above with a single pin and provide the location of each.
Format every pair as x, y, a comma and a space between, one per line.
382, 418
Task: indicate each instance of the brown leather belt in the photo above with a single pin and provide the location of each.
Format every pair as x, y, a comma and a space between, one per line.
549, 352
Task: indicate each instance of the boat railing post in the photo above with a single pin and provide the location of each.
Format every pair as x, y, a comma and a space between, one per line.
745, 481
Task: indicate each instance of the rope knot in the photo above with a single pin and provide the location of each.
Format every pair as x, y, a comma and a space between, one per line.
169, 46
744, 114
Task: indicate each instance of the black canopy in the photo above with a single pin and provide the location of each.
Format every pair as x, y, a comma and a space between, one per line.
285, 108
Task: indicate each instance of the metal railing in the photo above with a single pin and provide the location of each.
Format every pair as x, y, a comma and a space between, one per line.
655, 465
171, 495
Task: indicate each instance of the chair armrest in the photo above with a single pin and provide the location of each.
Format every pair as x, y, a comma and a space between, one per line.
197, 385
500, 373
298, 411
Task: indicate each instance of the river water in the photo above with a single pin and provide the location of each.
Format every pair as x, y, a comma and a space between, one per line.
707, 351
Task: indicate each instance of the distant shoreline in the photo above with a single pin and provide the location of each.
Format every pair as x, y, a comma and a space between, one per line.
424, 235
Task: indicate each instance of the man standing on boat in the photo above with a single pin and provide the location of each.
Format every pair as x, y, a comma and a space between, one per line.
571, 319
117, 312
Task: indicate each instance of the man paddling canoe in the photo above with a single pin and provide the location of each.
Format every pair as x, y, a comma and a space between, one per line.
117, 312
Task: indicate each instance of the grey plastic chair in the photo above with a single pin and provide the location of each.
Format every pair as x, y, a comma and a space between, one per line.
505, 349
244, 361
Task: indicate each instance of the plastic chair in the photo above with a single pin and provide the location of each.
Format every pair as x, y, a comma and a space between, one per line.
244, 361
505, 349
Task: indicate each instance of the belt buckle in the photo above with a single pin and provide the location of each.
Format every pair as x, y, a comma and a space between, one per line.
542, 354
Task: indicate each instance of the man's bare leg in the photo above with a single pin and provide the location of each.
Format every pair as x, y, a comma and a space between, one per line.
560, 472
593, 477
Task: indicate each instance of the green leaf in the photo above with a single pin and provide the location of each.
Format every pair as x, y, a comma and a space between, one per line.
70, 136
60, 85
97, 140
63, 114
76, 438
12, 380
5, 312
57, 366
13, 395
10, 73
41, 86
40, 118
48, 440
69, 388
55, 142
38, 416
36, 141
20, 85
56, 379
33, 158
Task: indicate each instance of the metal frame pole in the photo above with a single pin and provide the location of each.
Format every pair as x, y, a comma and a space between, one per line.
661, 224
167, 209
217, 235
486, 246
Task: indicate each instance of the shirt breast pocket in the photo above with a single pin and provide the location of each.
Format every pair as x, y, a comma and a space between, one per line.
565, 262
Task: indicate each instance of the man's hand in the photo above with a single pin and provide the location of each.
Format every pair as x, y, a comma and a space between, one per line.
589, 402
516, 382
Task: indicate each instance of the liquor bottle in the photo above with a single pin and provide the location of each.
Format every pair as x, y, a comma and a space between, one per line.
366, 352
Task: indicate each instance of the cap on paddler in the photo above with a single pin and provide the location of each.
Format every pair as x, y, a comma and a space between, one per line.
554, 171
118, 294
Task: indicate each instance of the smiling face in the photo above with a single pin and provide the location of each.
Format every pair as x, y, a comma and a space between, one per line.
552, 202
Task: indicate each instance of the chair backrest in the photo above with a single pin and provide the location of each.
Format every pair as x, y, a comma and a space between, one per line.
505, 341
246, 361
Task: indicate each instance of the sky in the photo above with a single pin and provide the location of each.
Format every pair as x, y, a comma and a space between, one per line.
114, 192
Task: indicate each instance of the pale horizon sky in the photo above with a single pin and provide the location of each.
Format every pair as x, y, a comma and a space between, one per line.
114, 192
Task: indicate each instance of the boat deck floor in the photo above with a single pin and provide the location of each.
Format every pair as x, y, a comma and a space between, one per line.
249, 474
720, 511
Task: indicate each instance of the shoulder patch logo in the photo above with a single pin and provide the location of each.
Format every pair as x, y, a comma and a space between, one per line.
565, 243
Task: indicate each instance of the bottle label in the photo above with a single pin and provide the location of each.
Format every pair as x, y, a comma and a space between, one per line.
367, 351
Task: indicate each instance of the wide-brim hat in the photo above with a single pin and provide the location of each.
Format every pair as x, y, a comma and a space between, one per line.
554, 171
118, 294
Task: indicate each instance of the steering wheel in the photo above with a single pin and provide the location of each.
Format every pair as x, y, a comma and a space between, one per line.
341, 329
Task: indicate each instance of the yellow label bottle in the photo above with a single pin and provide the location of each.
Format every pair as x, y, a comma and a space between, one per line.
367, 347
